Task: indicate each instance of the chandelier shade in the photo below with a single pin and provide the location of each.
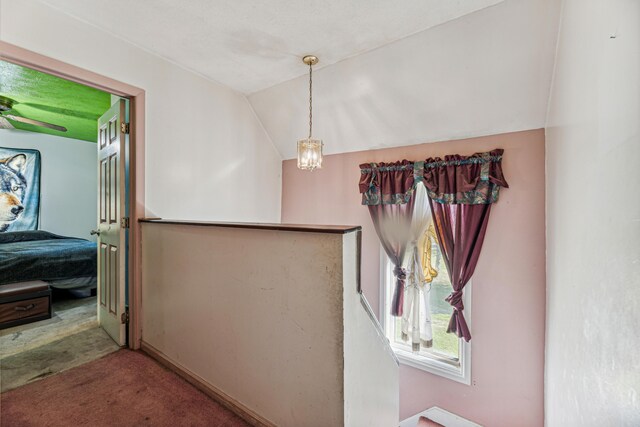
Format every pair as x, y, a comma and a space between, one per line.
310, 154
310, 149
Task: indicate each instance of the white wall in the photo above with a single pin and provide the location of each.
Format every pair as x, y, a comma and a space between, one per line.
593, 218
68, 183
207, 156
371, 370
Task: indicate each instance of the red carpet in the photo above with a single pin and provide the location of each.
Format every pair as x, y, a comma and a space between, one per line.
426, 422
125, 388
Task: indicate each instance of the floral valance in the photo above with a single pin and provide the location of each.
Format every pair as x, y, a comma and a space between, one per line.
456, 179
386, 183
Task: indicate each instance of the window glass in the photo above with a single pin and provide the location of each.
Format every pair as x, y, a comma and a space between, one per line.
443, 345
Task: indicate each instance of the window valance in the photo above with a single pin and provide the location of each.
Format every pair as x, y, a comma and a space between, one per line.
456, 179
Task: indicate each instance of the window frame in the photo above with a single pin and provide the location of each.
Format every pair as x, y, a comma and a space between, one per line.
431, 364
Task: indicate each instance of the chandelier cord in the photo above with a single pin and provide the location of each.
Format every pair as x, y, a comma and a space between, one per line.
310, 99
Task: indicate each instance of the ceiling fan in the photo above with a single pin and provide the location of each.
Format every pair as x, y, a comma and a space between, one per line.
7, 104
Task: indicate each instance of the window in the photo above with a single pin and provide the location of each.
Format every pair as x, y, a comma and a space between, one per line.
444, 354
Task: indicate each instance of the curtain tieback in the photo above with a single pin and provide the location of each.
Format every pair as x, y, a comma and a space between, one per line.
400, 273
455, 299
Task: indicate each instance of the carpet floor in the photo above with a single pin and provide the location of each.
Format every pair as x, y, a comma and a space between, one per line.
125, 388
57, 356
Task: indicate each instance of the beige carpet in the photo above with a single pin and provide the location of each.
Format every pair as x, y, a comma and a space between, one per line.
68, 352
70, 316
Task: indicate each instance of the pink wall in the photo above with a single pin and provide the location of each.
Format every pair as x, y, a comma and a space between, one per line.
508, 304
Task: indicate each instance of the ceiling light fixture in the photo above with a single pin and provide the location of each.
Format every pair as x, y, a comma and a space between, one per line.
309, 149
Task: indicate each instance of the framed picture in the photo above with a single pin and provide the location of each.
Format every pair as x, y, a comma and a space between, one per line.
19, 189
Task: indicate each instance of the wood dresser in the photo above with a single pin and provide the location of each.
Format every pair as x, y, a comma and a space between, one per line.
24, 302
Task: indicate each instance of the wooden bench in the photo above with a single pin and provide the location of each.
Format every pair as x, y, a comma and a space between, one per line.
24, 302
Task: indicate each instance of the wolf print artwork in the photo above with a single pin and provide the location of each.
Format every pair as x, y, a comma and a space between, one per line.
19, 189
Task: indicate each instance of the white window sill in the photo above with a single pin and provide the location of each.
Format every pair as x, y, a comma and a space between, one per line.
434, 366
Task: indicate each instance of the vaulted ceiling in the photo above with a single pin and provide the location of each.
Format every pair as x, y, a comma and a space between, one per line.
485, 73
251, 45
391, 73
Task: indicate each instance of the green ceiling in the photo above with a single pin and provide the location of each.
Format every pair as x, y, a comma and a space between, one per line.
50, 99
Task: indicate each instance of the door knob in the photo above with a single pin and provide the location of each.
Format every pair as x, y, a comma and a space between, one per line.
95, 232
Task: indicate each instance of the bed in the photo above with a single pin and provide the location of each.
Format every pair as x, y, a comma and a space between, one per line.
63, 262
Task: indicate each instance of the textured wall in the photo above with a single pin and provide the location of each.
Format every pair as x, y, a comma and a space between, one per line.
68, 183
508, 286
207, 156
262, 317
249, 305
593, 218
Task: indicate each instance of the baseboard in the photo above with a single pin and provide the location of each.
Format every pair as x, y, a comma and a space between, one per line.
218, 395
441, 416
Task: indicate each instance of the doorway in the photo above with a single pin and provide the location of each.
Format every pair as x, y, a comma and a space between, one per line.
115, 212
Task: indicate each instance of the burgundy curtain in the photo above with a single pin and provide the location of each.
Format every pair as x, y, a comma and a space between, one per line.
387, 188
460, 230
393, 226
461, 191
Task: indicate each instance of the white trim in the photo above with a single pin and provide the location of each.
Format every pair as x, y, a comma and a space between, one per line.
433, 365
440, 416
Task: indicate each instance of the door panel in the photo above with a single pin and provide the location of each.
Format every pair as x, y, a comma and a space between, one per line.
112, 238
113, 188
102, 276
102, 179
113, 279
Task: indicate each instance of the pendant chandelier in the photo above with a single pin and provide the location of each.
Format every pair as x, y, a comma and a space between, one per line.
309, 149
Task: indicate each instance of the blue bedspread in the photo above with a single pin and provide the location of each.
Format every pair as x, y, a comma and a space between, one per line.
40, 255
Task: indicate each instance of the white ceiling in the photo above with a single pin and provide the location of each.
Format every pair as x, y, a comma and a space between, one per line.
391, 73
485, 73
251, 45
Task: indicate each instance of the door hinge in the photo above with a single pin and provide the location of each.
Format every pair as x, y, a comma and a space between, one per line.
124, 127
124, 317
124, 222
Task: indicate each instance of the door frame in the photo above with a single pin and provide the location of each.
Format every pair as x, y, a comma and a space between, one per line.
20, 56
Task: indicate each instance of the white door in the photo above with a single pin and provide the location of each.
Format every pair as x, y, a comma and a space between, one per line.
111, 233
